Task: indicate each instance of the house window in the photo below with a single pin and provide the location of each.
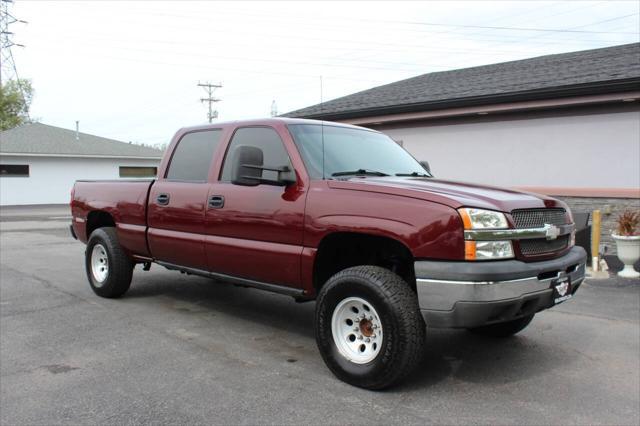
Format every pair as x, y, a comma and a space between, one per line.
14, 170
138, 172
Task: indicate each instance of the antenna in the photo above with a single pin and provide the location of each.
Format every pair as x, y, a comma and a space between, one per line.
322, 129
274, 108
320, 94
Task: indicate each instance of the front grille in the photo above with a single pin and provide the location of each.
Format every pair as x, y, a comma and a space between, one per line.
543, 246
537, 218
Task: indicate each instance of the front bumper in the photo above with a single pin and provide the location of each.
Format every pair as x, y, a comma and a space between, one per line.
472, 294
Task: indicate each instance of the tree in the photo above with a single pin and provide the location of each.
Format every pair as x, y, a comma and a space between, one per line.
15, 99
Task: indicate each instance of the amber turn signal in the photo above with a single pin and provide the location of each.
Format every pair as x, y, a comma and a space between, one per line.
470, 250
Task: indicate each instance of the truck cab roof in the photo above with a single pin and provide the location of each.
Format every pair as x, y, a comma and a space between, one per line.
271, 121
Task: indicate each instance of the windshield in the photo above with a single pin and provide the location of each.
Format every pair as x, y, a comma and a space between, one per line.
349, 151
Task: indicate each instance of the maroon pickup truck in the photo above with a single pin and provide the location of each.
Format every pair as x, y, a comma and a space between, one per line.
343, 215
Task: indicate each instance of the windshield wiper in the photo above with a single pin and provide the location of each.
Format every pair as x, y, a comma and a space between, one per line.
414, 174
360, 172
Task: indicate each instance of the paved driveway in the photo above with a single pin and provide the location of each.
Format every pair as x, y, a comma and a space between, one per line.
182, 350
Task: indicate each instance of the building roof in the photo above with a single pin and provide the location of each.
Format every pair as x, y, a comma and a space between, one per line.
588, 72
42, 139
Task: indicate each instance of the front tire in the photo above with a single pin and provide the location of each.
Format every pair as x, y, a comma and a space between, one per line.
108, 267
504, 329
369, 329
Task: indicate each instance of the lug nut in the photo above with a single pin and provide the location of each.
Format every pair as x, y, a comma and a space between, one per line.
367, 340
356, 329
375, 326
373, 336
360, 337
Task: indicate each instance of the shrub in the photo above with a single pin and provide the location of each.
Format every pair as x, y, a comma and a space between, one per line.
628, 222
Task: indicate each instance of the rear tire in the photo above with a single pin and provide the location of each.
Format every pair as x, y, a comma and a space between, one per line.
504, 329
380, 349
108, 267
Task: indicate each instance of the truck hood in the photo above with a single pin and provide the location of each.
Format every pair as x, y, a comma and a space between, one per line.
450, 193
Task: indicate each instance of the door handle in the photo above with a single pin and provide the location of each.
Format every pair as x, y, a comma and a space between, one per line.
163, 199
216, 202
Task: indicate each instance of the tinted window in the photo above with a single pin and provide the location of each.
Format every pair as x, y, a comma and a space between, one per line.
342, 149
17, 170
192, 157
265, 138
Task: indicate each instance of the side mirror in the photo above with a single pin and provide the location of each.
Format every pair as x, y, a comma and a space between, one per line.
247, 168
425, 165
244, 156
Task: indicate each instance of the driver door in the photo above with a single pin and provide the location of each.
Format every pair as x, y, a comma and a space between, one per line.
256, 232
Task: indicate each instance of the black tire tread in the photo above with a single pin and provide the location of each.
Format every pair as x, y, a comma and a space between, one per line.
120, 264
412, 330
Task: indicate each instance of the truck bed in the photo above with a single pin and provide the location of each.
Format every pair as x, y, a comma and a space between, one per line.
124, 200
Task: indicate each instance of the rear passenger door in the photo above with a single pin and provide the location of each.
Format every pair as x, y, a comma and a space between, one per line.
255, 232
177, 201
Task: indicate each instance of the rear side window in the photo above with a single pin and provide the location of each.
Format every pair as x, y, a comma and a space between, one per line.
265, 138
193, 155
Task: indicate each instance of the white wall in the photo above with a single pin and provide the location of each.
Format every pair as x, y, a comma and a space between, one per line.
588, 151
51, 178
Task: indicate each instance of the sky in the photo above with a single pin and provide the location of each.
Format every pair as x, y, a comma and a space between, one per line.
129, 70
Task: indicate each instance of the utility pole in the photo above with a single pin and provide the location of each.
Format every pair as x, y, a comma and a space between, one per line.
8, 69
210, 88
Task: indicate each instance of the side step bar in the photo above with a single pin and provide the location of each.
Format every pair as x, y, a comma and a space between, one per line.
275, 288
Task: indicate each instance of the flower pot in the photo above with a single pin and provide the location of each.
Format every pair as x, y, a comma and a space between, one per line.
628, 253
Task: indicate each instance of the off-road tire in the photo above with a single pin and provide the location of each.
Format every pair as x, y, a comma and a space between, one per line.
120, 268
504, 329
404, 330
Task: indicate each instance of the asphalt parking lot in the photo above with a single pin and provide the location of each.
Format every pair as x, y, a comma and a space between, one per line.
187, 350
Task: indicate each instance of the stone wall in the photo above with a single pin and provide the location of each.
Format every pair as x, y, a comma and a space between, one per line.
609, 208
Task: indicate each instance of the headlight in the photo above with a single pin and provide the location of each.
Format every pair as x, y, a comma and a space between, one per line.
487, 250
482, 219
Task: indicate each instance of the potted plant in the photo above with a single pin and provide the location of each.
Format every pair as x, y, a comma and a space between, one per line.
627, 237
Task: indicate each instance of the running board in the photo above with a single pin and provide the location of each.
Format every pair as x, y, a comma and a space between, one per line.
274, 288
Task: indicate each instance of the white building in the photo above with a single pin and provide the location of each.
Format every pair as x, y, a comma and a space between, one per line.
39, 163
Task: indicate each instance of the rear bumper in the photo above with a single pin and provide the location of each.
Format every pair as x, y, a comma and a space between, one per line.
471, 294
73, 232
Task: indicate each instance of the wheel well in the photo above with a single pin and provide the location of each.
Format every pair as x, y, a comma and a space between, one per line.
98, 219
343, 250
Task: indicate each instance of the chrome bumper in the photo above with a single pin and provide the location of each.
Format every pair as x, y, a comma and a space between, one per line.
465, 294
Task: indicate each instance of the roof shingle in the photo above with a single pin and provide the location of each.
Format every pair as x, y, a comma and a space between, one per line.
544, 75
42, 139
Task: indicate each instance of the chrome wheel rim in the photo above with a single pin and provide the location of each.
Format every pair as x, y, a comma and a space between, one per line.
357, 330
99, 264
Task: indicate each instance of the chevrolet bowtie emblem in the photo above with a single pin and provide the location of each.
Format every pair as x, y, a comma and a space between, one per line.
551, 231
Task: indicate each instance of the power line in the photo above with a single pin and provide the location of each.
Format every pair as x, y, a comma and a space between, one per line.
210, 88
386, 21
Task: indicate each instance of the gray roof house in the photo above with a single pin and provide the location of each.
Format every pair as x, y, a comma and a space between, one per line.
43, 139
40, 163
585, 73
